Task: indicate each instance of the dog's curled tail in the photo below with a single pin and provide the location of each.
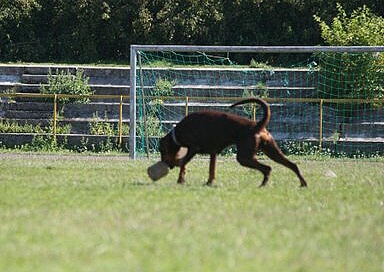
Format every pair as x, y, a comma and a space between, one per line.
267, 112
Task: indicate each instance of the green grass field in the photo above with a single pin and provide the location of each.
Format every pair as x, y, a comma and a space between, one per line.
90, 213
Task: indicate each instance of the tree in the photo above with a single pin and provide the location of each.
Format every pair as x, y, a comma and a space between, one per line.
17, 31
362, 27
93, 30
180, 21
356, 75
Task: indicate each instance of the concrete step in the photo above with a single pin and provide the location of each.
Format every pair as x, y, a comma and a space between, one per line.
229, 76
102, 110
120, 74
43, 79
29, 105
182, 76
34, 79
11, 69
297, 110
240, 90
36, 110
35, 89
356, 146
6, 86
192, 90
98, 89
362, 130
23, 114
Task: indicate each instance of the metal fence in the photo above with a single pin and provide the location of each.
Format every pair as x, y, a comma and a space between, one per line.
54, 103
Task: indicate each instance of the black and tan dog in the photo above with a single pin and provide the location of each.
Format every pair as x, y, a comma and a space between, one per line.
209, 132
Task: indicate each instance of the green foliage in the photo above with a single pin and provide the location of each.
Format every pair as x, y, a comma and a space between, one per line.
188, 21
101, 127
105, 146
163, 87
7, 126
260, 91
43, 140
18, 30
104, 127
303, 149
153, 127
64, 82
257, 64
44, 143
89, 31
362, 27
60, 128
352, 75
10, 91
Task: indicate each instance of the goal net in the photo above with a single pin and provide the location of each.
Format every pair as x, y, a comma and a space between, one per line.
329, 102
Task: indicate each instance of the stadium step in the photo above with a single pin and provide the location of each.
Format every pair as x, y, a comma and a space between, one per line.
32, 110
29, 77
23, 114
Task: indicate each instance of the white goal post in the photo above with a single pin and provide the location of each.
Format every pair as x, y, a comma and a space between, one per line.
218, 49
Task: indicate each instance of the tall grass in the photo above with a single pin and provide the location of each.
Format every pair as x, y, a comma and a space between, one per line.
81, 213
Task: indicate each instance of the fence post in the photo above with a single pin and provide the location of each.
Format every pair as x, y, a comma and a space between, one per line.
121, 121
54, 117
321, 125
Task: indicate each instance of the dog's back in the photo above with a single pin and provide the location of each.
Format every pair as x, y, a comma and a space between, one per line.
212, 131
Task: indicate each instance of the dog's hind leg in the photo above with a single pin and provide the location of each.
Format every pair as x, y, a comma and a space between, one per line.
251, 162
273, 152
212, 169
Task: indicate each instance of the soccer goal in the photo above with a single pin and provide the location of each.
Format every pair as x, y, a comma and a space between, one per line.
322, 99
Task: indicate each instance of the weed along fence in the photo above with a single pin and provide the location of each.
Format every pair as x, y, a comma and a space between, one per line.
57, 123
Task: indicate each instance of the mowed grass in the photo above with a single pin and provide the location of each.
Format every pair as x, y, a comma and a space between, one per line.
76, 213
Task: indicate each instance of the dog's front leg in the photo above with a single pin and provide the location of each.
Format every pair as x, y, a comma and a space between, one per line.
191, 152
212, 169
181, 178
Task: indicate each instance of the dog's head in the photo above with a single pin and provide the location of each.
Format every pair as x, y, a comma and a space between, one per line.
171, 153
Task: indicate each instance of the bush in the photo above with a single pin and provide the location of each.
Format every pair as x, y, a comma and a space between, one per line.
358, 75
64, 82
